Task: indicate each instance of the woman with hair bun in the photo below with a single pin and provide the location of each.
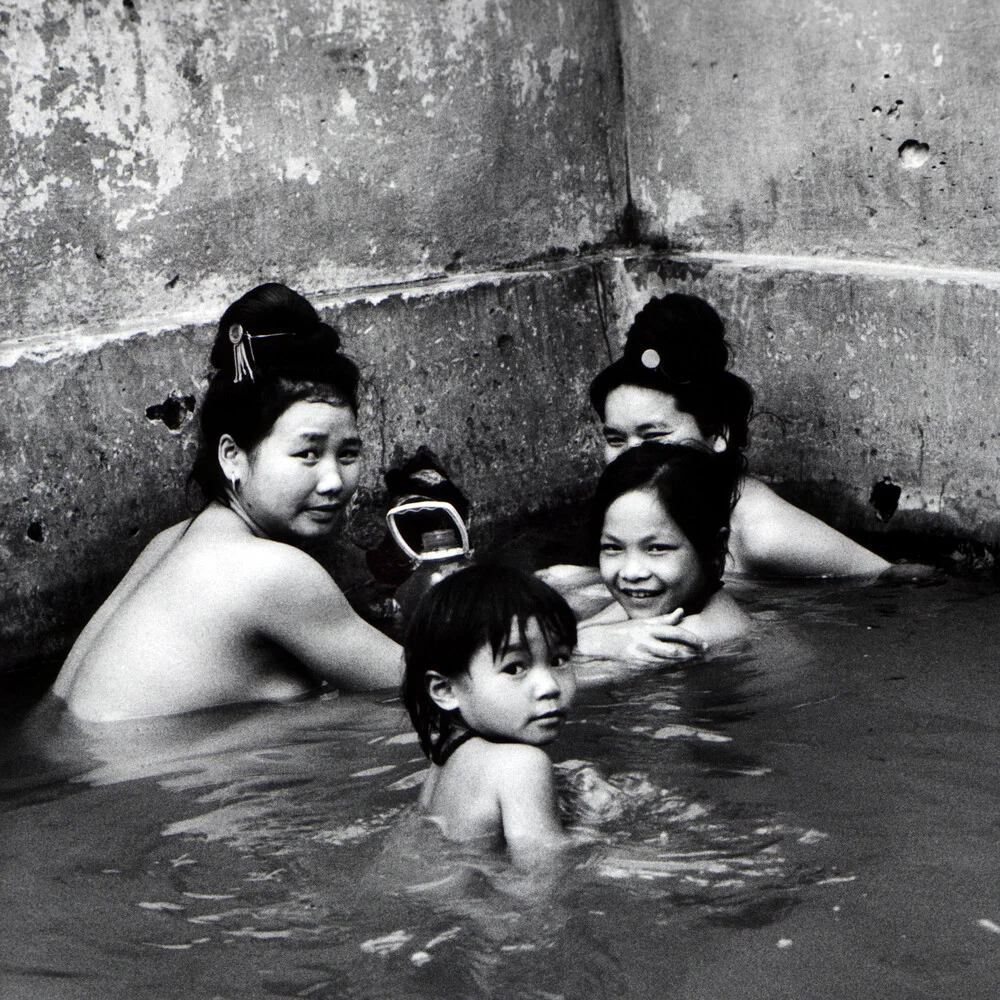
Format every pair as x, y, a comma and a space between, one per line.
229, 606
672, 385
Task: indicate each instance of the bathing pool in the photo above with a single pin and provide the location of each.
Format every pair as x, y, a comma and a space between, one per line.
814, 817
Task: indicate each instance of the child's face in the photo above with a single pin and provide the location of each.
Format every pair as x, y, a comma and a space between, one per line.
297, 482
633, 414
523, 695
646, 561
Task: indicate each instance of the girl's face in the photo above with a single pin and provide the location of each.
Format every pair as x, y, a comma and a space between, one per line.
633, 414
296, 483
646, 561
521, 696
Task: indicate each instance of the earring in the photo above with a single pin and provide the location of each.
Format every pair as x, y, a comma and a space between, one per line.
234, 481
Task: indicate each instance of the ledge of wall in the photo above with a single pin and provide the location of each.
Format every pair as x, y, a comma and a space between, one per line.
864, 374
96, 446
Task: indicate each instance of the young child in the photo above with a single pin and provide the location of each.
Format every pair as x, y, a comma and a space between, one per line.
488, 682
662, 516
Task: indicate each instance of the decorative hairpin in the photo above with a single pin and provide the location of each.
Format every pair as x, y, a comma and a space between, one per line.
243, 350
650, 358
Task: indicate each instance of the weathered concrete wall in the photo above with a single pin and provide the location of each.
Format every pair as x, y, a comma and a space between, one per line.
799, 127
830, 167
96, 447
159, 159
861, 375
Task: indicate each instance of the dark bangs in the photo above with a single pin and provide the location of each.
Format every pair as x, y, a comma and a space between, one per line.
466, 610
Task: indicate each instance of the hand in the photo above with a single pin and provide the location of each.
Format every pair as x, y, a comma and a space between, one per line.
912, 573
646, 641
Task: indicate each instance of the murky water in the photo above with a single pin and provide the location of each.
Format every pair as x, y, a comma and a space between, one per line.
817, 817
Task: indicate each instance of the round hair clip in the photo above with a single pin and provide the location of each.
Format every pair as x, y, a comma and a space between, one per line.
235, 334
650, 358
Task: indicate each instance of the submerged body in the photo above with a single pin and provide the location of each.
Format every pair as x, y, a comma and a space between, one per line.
209, 615
488, 683
499, 796
230, 606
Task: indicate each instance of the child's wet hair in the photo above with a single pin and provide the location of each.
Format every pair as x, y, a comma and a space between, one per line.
677, 345
295, 357
695, 486
474, 607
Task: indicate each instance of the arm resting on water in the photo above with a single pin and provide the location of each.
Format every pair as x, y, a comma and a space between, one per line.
771, 537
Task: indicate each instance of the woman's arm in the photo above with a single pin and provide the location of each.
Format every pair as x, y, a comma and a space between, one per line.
771, 537
722, 620
299, 607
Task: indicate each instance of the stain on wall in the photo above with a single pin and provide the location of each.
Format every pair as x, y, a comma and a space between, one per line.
841, 128
162, 158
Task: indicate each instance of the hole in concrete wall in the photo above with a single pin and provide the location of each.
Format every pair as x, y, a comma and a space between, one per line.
36, 531
172, 282
504, 342
455, 264
173, 411
913, 154
885, 498
133, 14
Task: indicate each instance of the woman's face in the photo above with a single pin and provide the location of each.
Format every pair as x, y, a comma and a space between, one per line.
633, 414
646, 561
296, 483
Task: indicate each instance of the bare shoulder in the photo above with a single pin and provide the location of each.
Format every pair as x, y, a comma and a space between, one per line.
515, 762
261, 563
757, 499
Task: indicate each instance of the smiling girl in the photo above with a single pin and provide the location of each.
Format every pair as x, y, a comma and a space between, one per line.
662, 512
229, 606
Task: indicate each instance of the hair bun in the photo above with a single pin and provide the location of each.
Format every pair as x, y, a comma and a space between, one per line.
284, 332
682, 336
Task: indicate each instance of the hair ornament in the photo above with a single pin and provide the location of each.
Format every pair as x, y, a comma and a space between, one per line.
243, 350
650, 358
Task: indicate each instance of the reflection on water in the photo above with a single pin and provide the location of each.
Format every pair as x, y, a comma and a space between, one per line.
813, 817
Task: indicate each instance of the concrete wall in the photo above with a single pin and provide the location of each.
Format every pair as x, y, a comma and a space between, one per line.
160, 159
826, 174
841, 128
482, 193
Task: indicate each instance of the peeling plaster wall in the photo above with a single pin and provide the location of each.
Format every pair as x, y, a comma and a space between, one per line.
448, 180
841, 128
161, 158
389, 158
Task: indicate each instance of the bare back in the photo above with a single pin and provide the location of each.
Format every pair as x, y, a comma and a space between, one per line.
497, 794
212, 615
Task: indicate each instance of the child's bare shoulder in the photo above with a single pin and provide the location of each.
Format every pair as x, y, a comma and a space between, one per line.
510, 762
